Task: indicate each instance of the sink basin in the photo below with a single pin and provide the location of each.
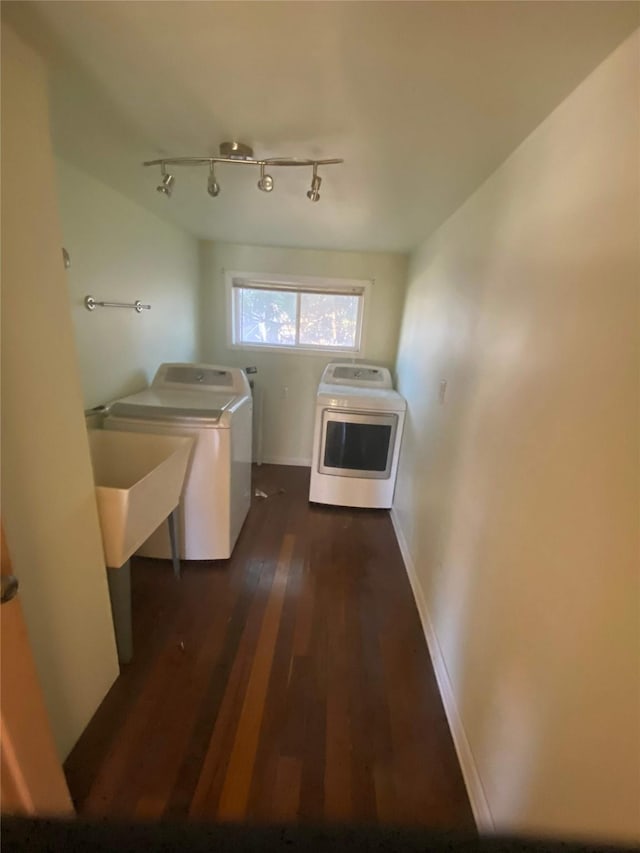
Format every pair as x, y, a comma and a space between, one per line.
138, 479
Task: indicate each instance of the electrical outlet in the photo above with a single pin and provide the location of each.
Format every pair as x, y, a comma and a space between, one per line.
443, 391
284, 392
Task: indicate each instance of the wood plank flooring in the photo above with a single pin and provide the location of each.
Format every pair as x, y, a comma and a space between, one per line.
290, 683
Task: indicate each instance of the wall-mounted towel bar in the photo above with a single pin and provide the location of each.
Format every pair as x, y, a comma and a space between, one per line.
90, 303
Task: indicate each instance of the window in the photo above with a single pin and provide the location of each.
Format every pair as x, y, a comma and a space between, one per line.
304, 313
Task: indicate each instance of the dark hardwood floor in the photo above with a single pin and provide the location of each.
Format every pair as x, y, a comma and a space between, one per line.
289, 683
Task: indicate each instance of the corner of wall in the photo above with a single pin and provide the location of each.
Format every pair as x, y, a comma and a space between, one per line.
475, 790
206, 263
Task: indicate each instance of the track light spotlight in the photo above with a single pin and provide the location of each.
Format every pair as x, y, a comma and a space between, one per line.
213, 187
166, 185
266, 181
316, 180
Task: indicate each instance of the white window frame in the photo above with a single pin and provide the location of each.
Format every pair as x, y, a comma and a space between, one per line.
235, 280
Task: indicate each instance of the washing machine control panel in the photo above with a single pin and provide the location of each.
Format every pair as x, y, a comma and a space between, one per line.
204, 377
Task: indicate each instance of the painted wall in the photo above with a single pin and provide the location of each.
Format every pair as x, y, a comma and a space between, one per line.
517, 499
121, 252
288, 382
48, 503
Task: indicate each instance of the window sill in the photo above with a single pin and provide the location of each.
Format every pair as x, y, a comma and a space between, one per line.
320, 352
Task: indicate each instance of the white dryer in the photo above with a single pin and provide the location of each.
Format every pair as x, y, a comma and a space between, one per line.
212, 404
358, 430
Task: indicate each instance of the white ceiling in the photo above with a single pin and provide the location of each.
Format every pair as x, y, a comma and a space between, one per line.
423, 100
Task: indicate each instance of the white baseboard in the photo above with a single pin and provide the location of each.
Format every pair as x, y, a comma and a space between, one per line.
287, 460
473, 783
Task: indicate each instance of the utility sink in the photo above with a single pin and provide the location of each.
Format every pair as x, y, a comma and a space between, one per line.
138, 479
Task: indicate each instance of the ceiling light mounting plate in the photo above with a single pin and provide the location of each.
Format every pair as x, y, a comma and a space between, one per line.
236, 150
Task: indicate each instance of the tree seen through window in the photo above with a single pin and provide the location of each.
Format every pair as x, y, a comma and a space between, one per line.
298, 318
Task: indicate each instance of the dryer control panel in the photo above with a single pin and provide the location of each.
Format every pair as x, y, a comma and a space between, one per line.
357, 375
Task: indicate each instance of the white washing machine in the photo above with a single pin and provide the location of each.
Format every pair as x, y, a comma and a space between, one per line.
358, 430
212, 404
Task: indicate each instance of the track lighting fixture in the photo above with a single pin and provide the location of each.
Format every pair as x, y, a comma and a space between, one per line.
166, 185
239, 153
316, 180
213, 187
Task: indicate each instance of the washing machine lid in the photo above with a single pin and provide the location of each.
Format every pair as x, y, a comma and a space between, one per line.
207, 408
354, 398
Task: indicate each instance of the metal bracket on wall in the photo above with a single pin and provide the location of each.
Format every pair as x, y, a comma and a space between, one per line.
90, 303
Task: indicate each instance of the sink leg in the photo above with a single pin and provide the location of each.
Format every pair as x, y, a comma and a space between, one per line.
120, 594
172, 521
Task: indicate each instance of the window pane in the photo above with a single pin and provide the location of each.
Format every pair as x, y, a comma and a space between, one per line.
267, 317
328, 320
